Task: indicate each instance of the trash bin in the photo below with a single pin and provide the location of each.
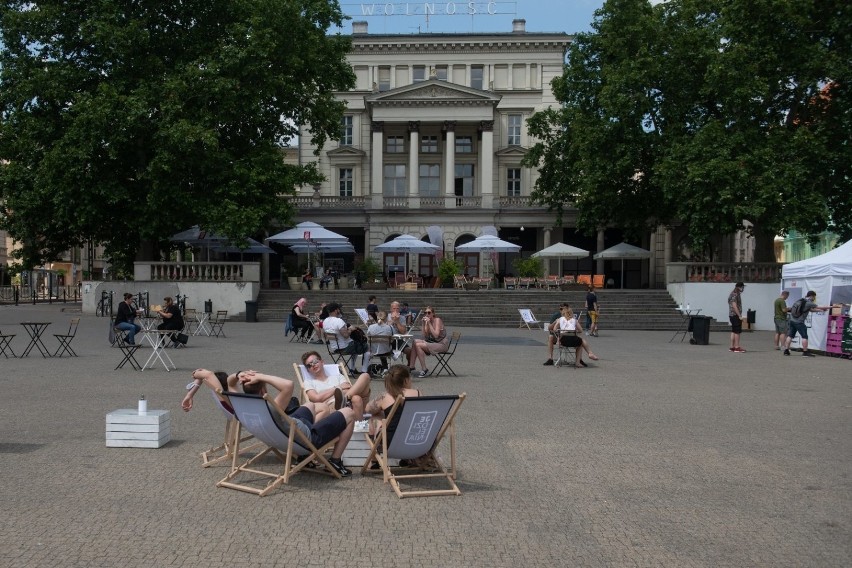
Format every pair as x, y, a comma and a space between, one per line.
751, 316
208, 307
700, 326
251, 311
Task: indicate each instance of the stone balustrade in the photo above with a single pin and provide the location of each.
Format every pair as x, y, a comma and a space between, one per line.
723, 272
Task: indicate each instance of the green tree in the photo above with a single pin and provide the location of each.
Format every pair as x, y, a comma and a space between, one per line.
704, 112
125, 122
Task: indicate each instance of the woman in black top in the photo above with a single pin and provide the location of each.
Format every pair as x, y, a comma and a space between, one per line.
172, 318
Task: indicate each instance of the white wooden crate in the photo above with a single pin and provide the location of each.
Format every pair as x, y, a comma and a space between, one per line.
126, 428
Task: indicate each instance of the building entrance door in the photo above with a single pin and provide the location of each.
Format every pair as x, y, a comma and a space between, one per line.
470, 261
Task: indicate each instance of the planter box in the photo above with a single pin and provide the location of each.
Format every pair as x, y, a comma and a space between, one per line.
126, 428
374, 286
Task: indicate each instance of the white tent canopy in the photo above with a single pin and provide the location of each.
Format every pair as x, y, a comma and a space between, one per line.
830, 276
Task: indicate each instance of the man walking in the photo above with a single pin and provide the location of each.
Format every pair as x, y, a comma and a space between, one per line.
798, 313
735, 314
781, 310
592, 312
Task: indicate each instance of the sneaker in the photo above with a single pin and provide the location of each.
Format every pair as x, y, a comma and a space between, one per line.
423, 373
739, 350
338, 466
549, 362
807, 354
339, 397
732, 349
786, 352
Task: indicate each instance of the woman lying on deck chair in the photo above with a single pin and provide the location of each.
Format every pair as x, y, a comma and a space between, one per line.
228, 383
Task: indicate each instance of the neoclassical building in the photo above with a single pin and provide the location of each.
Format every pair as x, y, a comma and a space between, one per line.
433, 136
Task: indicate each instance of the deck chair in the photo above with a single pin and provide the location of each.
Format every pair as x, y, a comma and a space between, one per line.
217, 323
233, 438
510, 282
526, 282
66, 338
398, 280
330, 370
528, 319
412, 430
459, 281
598, 280
128, 351
6, 345
443, 363
584, 279
414, 321
266, 421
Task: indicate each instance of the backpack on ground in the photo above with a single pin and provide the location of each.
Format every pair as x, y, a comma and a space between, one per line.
798, 309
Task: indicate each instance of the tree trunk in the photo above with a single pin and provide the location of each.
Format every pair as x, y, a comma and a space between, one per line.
764, 246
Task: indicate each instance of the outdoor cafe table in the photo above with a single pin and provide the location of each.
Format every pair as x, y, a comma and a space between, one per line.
400, 342
156, 339
148, 322
203, 326
683, 329
35, 330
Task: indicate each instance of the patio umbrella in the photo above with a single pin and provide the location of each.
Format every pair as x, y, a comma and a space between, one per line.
307, 231
195, 236
622, 251
560, 251
408, 245
252, 246
488, 243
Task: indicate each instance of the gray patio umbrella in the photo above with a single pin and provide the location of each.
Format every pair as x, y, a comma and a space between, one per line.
195, 236
560, 251
623, 251
488, 243
408, 245
307, 231
252, 246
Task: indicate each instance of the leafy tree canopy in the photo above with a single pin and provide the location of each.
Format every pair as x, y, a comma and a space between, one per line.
704, 112
123, 122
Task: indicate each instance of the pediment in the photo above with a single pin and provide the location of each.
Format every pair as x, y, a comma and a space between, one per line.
433, 91
511, 151
345, 152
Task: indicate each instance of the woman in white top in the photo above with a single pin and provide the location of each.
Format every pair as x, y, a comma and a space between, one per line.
571, 335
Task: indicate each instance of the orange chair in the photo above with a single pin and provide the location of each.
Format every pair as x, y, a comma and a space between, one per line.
584, 279
598, 281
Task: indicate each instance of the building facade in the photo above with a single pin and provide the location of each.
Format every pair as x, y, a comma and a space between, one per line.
432, 142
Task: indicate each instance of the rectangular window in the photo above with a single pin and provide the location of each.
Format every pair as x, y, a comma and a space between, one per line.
395, 145
464, 145
346, 182
464, 180
395, 180
429, 144
513, 179
441, 72
418, 73
430, 180
384, 78
346, 131
477, 77
514, 135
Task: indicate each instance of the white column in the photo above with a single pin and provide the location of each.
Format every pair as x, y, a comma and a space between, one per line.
414, 163
376, 173
450, 162
486, 163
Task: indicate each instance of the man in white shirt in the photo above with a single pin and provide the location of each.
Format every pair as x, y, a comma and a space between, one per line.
342, 341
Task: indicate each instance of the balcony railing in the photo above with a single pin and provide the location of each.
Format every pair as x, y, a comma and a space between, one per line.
197, 271
405, 202
723, 272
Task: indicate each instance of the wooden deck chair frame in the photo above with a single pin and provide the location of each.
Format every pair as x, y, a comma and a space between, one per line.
413, 322
6, 345
459, 281
528, 319
510, 283
282, 439
330, 368
128, 351
233, 439
423, 423
526, 282
65, 339
217, 323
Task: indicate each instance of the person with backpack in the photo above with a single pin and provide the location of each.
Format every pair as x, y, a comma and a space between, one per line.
735, 314
798, 313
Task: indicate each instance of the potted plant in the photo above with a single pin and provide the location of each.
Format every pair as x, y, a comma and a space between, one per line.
370, 274
447, 269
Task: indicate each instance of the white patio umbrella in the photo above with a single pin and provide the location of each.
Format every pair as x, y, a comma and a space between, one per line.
408, 244
307, 231
560, 251
623, 251
487, 243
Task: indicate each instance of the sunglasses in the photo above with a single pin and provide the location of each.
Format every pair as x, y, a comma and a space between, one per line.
428, 312
312, 363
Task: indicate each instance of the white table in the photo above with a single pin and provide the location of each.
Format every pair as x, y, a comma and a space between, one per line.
685, 314
126, 428
203, 326
156, 339
400, 341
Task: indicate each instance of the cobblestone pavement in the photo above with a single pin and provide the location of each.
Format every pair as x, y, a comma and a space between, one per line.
660, 454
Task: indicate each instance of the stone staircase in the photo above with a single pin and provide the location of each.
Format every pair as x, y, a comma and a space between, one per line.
621, 309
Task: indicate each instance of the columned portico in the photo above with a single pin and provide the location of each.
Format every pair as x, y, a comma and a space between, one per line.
376, 175
450, 162
486, 162
414, 163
